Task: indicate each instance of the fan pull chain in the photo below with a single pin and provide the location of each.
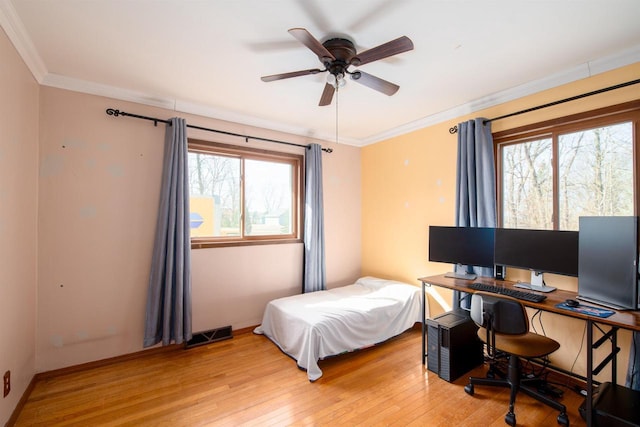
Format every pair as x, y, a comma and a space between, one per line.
337, 114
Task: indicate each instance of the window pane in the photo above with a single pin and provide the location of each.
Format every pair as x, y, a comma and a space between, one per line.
214, 187
596, 174
527, 185
268, 202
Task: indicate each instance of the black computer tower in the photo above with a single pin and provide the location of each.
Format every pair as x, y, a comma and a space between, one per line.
608, 261
453, 345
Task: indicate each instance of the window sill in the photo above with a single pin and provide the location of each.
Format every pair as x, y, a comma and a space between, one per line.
232, 243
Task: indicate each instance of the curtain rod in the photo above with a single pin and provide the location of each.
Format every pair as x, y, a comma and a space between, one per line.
116, 113
551, 104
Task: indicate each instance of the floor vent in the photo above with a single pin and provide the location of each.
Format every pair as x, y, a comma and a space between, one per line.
212, 335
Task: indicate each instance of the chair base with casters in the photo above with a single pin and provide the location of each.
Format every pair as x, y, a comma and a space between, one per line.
517, 384
504, 327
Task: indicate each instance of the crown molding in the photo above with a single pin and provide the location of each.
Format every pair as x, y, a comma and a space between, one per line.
13, 27
236, 117
582, 71
83, 86
484, 102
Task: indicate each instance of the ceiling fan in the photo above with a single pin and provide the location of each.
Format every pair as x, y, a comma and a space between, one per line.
337, 55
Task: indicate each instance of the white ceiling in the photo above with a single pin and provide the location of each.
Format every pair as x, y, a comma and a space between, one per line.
207, 57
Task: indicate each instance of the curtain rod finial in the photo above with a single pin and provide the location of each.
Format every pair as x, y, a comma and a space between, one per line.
328, 150
453, 130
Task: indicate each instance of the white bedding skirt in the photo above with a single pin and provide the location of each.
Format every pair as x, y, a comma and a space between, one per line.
312, 326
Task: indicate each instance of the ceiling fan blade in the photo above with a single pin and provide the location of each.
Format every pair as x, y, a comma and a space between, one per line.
312, 43
375, 83
327, 95
275, 77
394, 47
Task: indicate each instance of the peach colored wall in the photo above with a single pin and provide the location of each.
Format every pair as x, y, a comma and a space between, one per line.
18, 223
408, 183
99, 189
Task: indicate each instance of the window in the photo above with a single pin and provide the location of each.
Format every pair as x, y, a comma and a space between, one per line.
552, 173
240, 195
527, 184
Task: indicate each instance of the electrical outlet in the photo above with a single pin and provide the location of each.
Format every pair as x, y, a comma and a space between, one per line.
7, 383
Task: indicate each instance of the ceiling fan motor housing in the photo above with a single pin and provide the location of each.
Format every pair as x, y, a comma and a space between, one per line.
344, 53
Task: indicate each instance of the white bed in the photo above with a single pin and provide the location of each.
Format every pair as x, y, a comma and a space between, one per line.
312, 326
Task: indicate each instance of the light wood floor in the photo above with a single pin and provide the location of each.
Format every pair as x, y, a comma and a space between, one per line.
248, 381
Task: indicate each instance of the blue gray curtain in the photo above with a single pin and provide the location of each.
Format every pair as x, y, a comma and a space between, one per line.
475, 181
314, 264
168, 315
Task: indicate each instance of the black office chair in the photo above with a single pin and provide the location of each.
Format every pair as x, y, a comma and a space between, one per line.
504, 327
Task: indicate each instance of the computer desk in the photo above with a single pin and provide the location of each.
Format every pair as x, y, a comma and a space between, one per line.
619, 320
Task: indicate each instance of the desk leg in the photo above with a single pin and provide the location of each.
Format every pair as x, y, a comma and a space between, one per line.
589, 399
424, 326
457, 300
614, 361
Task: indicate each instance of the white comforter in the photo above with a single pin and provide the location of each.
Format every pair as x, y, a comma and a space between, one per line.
316, 325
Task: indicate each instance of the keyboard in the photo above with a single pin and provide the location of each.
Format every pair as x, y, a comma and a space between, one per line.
522, 295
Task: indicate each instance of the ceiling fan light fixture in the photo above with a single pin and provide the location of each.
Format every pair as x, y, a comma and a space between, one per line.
331, 79
336, 80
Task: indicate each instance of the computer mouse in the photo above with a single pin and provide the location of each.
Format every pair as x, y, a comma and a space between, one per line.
572, 303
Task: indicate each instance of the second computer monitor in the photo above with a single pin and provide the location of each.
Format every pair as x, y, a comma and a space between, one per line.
541, 251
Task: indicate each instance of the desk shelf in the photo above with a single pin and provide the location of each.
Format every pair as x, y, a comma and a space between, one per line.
614, 405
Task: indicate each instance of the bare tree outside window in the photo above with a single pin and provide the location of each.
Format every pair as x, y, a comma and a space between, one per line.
527, 185
214, 186
595, 174
553, 175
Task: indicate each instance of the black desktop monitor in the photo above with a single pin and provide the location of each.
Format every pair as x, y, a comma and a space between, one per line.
608, 273
472, 246
541, 251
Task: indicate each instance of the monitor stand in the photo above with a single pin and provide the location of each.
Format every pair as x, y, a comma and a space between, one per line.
537, 283
464, 276
459, 273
